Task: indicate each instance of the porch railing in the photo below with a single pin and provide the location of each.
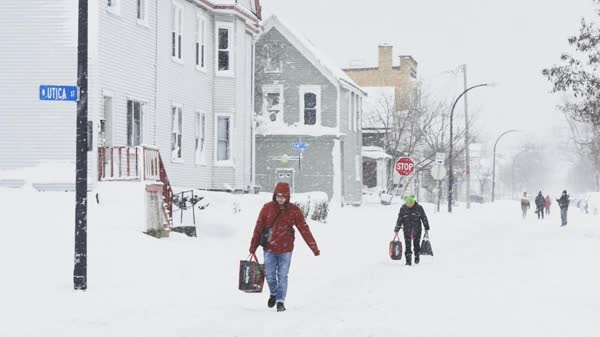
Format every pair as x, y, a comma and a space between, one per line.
128, 163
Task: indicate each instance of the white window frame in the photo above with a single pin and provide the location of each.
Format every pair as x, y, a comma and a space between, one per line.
358, 113
176, 158
177, 28
227, 162
357, 165
200, 42
350, 110
230, 49
273, 89
108, 93
114, 8
143, 118
268, 53
143, 11
200, 138
315, 89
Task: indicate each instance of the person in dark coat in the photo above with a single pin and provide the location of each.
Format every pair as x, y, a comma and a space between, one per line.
410, 218
540, 203
563, 203
525, 205
282, 216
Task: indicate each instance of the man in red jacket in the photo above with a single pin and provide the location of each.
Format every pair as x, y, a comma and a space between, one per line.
281, 217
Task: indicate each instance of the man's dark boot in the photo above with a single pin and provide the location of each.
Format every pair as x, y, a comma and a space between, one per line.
408, 259
271, 302
417, 259
280, 307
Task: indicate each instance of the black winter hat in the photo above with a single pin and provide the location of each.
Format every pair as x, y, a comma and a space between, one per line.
565, 191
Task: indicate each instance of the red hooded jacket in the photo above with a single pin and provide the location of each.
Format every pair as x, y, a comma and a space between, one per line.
282, 237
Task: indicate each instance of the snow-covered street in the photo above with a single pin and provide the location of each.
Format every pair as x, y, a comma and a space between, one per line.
493, 274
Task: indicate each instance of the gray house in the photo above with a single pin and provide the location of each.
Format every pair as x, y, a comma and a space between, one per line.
308, 118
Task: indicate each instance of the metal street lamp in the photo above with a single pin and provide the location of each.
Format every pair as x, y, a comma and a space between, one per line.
513, 169
494, 163
450, 160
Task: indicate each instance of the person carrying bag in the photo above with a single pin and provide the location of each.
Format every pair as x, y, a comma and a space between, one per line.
410, 218
283, 216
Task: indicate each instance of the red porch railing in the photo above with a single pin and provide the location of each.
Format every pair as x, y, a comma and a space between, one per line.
143, 163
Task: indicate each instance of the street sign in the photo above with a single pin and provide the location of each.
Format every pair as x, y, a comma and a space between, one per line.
439, 157
438, 172
58, 93
299, 146
404, 166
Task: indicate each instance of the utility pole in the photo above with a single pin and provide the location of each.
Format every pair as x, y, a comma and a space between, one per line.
80, 268
467, 142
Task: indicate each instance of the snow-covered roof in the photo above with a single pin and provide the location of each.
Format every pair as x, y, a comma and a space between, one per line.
333, 72
374, 152
296, 129
379, 104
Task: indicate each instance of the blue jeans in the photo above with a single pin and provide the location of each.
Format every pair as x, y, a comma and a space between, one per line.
563, 216
277, 267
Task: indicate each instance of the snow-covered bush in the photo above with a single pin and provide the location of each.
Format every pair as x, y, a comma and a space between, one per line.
314, 205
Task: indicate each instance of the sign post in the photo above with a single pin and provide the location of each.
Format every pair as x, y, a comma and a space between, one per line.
299, 146
80, 266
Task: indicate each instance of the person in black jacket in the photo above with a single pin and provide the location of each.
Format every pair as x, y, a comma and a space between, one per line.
540, 203
410, 218
563, 203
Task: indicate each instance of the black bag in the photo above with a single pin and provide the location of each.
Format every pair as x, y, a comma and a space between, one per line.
426, 245
396, 248
265, 236
252, 275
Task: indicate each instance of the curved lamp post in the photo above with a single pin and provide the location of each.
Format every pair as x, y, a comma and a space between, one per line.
513, 170
494, 163
450, 160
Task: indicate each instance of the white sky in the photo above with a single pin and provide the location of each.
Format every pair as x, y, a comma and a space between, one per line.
508, 42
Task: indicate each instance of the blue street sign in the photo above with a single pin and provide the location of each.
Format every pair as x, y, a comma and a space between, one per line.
299, 146
58, 93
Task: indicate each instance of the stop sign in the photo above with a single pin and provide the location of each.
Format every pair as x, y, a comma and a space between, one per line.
405, 166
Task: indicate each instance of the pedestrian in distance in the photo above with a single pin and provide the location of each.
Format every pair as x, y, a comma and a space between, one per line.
547, 204
411, 219
281, 216
540, 203
563, 203
525, 205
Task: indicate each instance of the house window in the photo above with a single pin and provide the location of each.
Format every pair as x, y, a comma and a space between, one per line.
135, 122
200, 137
273, 102
176, 30
106, 118
176, 131
200, 44
90, 135
357, 167
310, 99
358, 112
142, 12
113, 6
223, 138
351, 111
224, 49
273, 64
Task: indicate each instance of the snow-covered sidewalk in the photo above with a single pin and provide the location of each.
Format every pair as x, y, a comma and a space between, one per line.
493, 274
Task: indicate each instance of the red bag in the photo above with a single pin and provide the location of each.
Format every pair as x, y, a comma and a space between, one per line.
252, 275
396, 248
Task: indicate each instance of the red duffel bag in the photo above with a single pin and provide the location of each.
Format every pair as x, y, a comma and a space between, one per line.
396, 248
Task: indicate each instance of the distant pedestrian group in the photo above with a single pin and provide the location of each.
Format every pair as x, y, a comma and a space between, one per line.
542, 205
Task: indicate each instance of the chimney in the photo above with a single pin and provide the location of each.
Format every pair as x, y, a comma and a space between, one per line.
385, 57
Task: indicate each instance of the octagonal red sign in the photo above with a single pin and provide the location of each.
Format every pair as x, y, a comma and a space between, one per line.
405, 166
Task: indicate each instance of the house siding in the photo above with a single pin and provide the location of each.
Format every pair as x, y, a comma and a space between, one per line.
39, 35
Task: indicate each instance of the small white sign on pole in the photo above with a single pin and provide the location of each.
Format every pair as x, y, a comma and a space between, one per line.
439, 157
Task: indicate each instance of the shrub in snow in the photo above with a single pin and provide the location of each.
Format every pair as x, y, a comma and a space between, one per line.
314, 205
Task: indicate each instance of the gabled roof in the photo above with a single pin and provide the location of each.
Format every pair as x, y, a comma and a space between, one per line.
333, 73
